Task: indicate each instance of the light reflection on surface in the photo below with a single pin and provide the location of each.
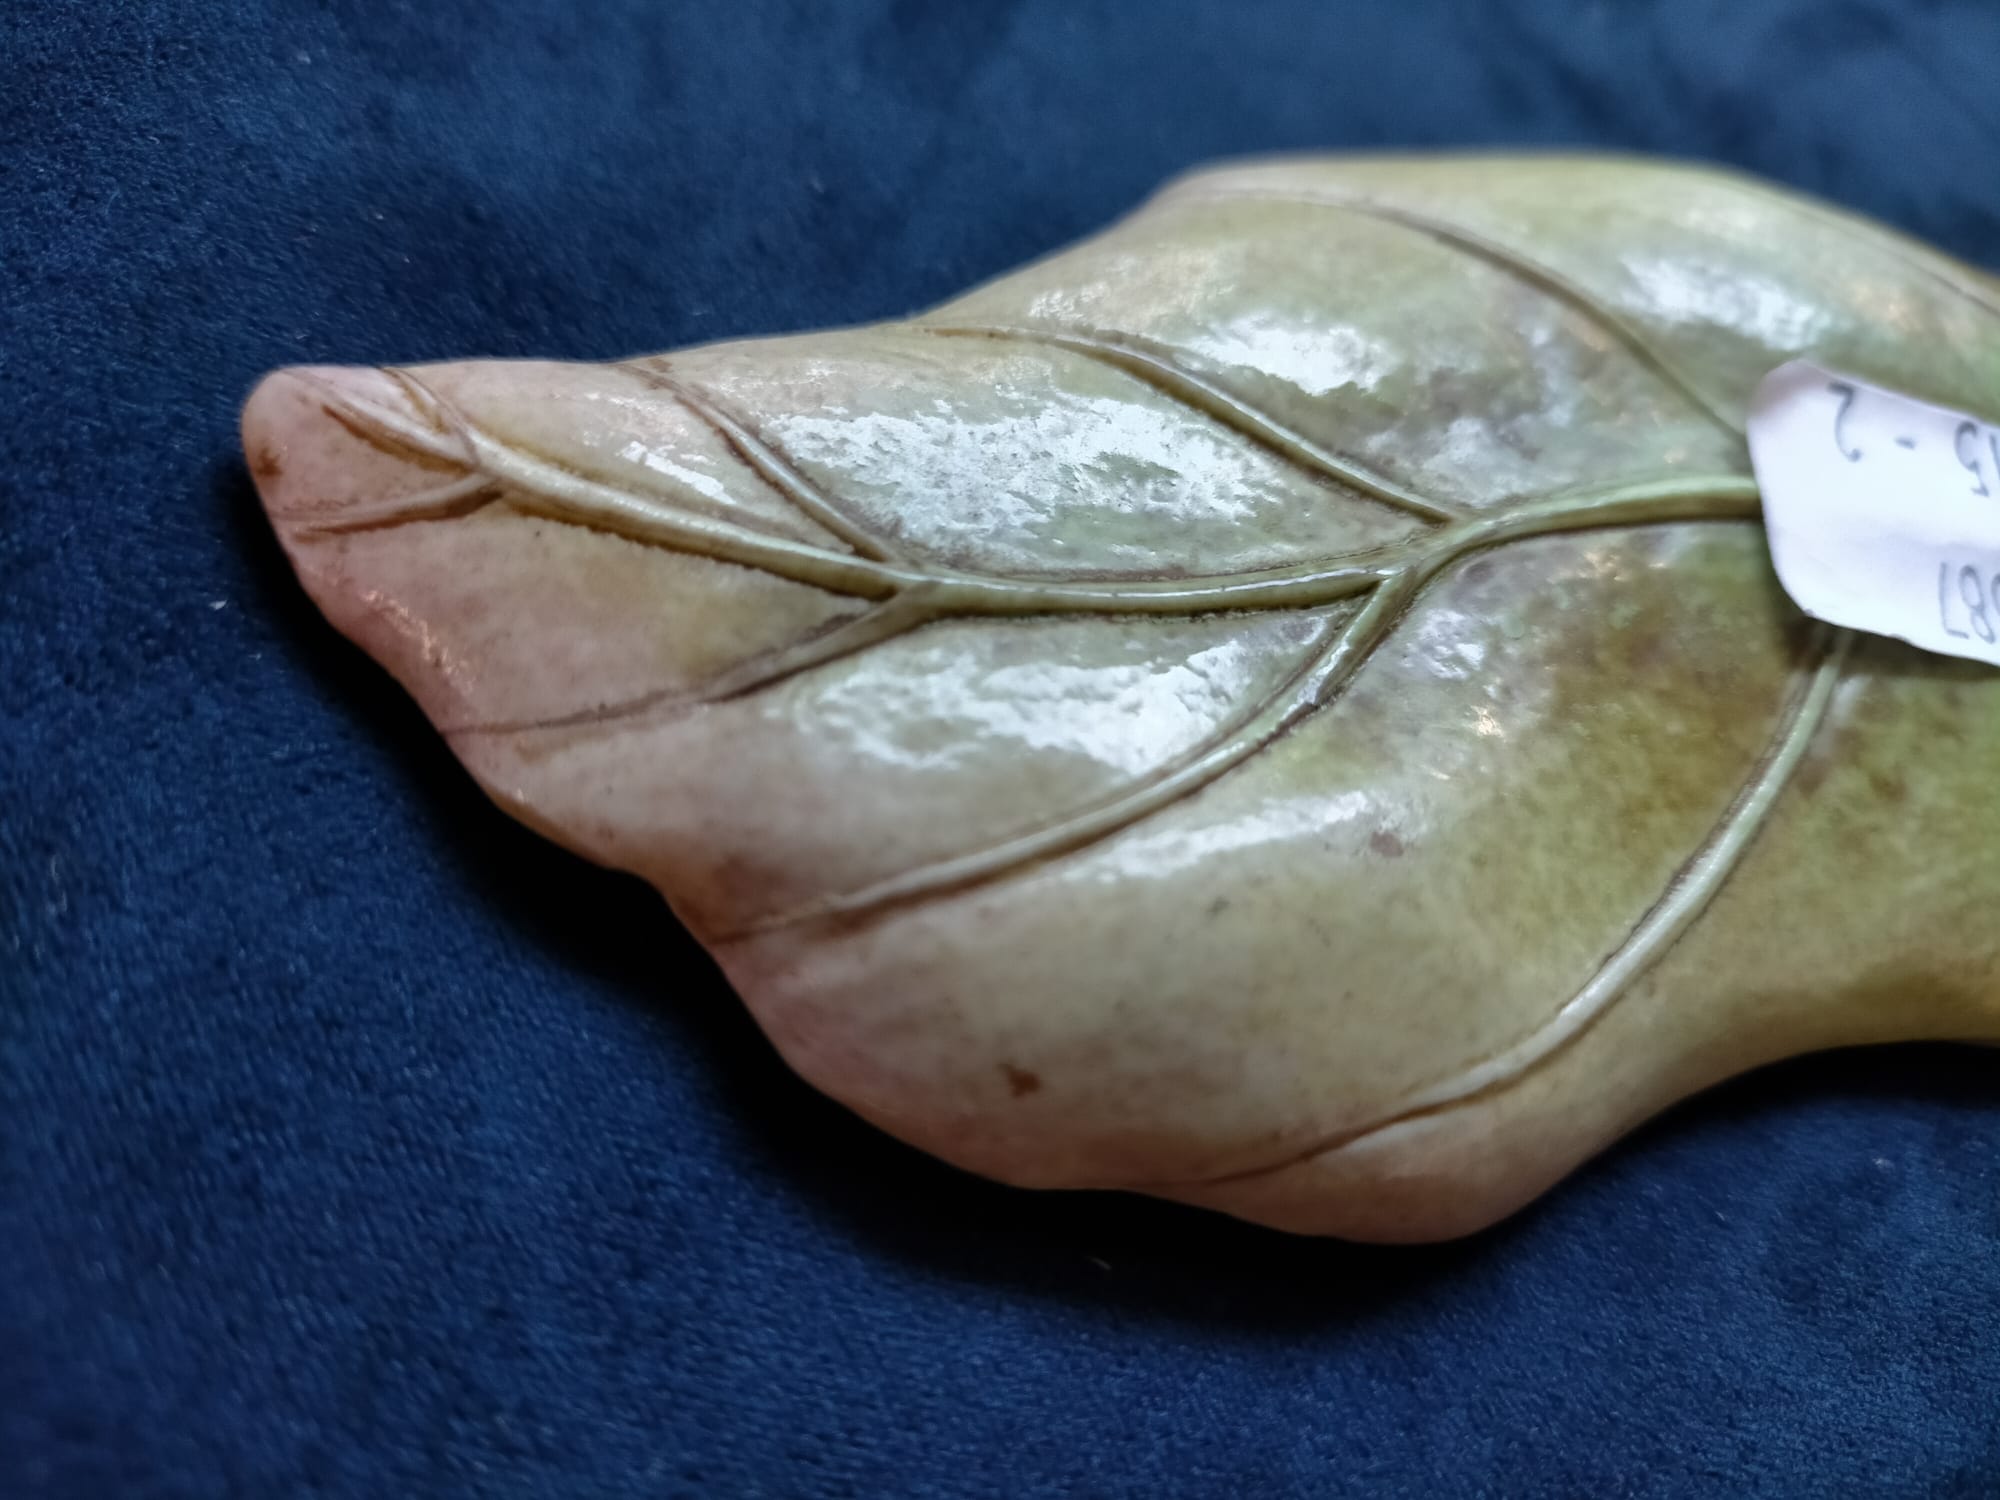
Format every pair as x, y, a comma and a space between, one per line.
1005, 470
1442, 644
1319, 360
1023, 466
1159, 852
1751, 306
939, 711
706, 485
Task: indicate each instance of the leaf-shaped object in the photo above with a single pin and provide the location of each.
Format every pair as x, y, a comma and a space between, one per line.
1283, 706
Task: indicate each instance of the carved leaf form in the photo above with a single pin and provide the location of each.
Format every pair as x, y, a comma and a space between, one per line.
1283, 705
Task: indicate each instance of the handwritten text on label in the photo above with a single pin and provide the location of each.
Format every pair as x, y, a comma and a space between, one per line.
1883, 512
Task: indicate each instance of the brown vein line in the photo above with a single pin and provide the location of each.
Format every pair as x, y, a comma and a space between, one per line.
383, 430
1327, 666
426, 402
1707, 497
444, 502
579, 501
769, 464
1319, 682
878, 623
1516, 263
570, 497
1717, 500
916, 597
1180, 384
348, 412
1689, 893
550, 490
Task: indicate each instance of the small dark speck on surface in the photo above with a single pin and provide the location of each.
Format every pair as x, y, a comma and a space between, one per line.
1889, 786
1386, 844
1019, 1080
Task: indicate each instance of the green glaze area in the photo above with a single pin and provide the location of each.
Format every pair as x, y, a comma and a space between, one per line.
1283, 705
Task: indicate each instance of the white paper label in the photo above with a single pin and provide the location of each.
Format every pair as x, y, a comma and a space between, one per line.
1883, 512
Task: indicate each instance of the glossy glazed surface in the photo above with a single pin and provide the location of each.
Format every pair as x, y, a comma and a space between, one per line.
1283, 705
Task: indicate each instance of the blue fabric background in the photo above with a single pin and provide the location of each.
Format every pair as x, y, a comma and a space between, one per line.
355, 1142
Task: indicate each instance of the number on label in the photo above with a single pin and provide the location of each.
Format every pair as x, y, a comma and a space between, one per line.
1846, 393
1971, 430
1973, 592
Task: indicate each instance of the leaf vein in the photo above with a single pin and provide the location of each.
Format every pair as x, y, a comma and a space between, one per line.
879, 622
1329, 666
769, 463
908, 597
1517, 263
1687, 895
1178, 383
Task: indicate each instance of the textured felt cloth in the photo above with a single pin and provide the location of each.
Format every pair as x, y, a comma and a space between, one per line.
355, 1142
